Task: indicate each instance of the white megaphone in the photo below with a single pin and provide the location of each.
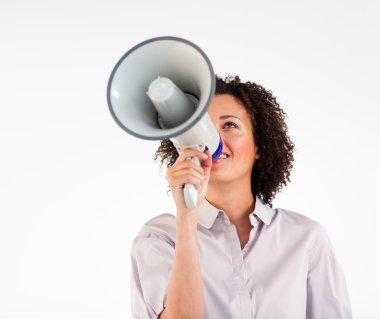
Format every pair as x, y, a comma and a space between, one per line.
161, 89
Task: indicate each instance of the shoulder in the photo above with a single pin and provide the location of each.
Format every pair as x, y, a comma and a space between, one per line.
154, 244
161, 227
300, 225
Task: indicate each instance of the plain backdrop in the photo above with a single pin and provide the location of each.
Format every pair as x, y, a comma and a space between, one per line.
75, 189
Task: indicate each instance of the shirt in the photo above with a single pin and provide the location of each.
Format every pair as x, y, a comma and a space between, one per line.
287, 269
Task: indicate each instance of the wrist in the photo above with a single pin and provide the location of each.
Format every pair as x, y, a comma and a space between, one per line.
187, 218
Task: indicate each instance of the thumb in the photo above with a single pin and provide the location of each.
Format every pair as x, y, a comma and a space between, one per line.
207, 164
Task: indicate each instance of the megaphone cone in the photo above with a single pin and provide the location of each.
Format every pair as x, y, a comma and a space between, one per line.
161, 89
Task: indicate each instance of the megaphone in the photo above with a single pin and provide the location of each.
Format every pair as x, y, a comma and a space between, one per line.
161, 89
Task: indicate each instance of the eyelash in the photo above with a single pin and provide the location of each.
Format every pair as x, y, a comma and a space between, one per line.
229, 124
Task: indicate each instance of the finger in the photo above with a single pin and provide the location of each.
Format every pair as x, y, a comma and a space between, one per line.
186, 164
206, 165
184, 179
187, 171
208, 160
191, 153
173, 176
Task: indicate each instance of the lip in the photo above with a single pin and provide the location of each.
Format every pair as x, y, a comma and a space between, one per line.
222, 160
225, 154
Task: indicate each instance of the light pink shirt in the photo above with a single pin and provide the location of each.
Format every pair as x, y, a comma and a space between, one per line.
287, 270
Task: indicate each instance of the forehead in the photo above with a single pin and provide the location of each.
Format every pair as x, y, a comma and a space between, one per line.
225, 104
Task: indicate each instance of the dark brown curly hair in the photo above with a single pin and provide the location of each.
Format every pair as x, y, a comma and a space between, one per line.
271, 171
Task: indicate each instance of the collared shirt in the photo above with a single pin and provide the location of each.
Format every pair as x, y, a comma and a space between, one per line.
287, 269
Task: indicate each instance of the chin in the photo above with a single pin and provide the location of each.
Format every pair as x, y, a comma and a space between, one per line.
219, 178
227, 176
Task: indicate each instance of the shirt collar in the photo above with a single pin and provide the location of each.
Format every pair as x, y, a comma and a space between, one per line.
207, 213
264, 212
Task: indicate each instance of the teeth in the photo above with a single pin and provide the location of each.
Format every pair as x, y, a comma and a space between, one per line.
223, 156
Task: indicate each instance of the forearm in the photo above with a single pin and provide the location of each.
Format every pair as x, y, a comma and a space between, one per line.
185, 294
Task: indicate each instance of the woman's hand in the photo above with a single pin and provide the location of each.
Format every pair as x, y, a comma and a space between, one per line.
186, 171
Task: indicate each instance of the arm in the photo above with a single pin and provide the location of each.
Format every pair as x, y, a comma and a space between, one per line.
185, 295
164, 273
327, 295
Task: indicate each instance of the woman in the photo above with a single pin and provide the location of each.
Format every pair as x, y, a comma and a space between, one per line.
234, 256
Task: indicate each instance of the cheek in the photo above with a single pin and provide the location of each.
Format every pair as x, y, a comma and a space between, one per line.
244, 148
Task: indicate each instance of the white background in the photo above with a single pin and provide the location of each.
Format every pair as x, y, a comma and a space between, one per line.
75, 188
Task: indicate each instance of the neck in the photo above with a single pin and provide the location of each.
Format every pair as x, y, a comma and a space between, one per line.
235, 199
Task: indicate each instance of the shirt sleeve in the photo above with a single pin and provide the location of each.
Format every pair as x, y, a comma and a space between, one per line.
327, 295
151, 266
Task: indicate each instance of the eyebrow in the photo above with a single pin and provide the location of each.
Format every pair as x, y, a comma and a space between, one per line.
223, 117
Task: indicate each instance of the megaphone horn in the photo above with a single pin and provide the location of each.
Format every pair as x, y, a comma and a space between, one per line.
161, 89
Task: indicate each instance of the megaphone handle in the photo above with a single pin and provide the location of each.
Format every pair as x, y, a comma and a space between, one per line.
190, 192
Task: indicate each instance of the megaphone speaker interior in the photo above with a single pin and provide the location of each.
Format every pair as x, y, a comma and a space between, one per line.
177, 59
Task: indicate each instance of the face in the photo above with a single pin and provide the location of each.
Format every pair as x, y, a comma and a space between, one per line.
235, 128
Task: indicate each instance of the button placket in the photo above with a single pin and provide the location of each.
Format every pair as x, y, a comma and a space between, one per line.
239, 276
252, 236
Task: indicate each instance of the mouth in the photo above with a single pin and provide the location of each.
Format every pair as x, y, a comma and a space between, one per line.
222, 157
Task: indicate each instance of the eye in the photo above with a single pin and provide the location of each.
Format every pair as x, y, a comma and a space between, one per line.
230, 125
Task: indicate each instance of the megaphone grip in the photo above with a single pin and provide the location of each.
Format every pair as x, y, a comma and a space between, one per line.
190, 192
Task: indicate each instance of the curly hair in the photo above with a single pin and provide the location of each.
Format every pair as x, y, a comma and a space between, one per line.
271, 171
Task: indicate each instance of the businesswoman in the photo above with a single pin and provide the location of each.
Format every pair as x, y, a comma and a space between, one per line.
234, 256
